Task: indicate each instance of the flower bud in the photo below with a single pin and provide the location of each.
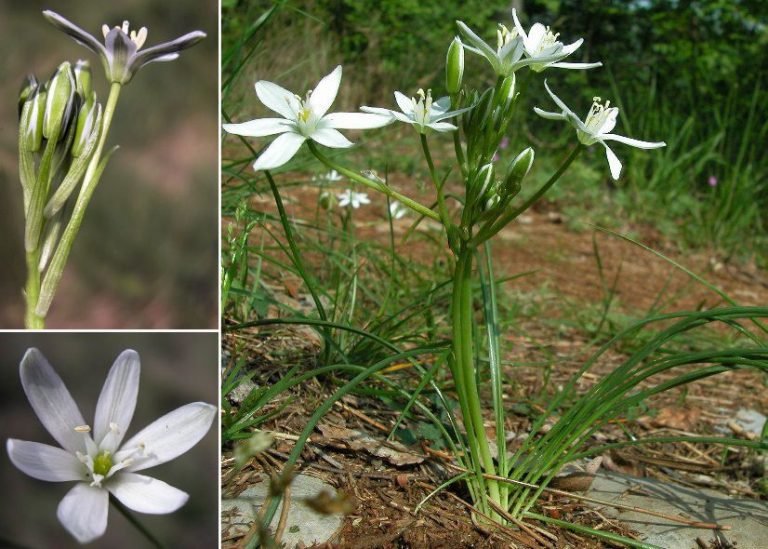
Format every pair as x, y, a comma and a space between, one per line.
86, 125
83, 85
27, 87
59, 102
484, 179
326, 200
506, 93
454, 66
31, 123
519, 168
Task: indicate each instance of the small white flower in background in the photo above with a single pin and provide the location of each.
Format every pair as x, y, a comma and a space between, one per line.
94, 457
515, 49
302, 119
331, 177
600, 120
544, 49
424, 114
397, 210
351, 198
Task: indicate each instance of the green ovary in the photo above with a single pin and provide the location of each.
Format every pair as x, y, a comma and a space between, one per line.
102, 464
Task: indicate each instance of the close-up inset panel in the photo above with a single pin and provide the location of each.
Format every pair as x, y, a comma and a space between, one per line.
108, 183
109, 438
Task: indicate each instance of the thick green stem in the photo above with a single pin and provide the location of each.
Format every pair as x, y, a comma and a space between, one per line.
375, 185
90, 181
441, 207
465, 375
32, 291
492, 228
135, 522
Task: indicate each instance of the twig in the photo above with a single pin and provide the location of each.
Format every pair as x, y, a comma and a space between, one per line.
283, 514
360, 415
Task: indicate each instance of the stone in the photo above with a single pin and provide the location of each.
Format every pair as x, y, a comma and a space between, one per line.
304, 525
748, 519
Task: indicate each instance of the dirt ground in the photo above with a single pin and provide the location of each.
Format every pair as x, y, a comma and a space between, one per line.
384, 494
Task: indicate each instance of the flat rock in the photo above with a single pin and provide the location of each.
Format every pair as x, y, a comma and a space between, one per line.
303, 525
748, 519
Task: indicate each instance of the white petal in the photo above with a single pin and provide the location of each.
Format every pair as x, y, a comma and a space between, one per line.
549, 115
146, 494
357, 120
535, 36
280, 151
402, 117
117, 400
576, 66
437, 117
441, 105
371, 110
325, 92
331, 138
168, 437
259, 127
277, 98
557, 100
613, 162
634, 142
83, 512
570, 48
518, 26
44, 462
51, 401
442, 127
404, 102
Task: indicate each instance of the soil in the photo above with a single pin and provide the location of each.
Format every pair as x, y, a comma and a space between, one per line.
386, 495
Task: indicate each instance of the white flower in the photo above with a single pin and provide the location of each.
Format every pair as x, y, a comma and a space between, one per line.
544, 50
95, 458
601, 119
539, 46
330, 177
506, 58
397, 210
423, 114
302, 119
351, 198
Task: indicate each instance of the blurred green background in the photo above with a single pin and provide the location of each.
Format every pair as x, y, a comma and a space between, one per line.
691, 73
146, 256
176, 369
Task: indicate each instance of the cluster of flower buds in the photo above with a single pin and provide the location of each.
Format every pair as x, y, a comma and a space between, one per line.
486, 124
59, 126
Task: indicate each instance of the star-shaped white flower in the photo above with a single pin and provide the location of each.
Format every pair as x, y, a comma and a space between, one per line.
302, 119
515, 49
96, 458
596, 128
544, 50
351, 198
423, 114
121, 53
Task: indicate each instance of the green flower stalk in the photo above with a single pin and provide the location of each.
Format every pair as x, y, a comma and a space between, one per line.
63, 130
